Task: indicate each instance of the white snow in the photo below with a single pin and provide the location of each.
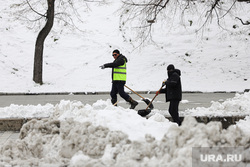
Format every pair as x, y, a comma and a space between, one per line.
237, 106
101, 134
216, 60
77, 134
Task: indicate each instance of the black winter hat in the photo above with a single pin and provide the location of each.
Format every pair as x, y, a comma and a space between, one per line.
116, 51
170, 67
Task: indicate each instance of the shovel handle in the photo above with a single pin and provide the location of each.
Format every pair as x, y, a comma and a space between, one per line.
153, 98
151, 101
133, 91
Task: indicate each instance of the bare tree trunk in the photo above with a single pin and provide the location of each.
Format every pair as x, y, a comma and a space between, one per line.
38, 59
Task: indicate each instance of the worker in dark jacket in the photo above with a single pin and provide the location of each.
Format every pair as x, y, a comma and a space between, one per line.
119, 70
173, 92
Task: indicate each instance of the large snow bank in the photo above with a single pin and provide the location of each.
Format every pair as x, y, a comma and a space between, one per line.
57, 143
103, 135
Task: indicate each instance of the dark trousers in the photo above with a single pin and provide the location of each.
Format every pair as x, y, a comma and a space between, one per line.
173, 111
118, 87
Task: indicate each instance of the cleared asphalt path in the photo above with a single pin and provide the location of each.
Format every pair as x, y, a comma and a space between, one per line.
190, 100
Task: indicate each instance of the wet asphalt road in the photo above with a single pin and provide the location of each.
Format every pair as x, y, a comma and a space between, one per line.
190, 100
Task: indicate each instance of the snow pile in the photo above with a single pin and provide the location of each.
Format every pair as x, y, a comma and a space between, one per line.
59, 143
237, 106
103, 135
26, 111
103, 113
244, 125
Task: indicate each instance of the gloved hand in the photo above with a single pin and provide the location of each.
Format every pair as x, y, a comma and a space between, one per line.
157, 93
102, 67
164, 83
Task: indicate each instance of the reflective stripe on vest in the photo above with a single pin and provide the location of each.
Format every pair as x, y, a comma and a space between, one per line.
119, 73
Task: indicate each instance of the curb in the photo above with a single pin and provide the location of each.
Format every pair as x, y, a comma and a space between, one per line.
15, 124
226, 121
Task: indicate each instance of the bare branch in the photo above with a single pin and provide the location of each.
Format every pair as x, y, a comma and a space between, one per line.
209, 13
244, 23
229, 8
145, 15
35, 10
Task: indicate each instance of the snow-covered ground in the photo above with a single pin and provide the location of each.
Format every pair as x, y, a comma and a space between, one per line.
210, 60
78, 134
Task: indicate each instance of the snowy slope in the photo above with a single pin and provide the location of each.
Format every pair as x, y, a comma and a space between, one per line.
213, 60
216, 61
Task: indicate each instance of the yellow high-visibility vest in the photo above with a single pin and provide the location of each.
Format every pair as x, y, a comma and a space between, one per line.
119, 73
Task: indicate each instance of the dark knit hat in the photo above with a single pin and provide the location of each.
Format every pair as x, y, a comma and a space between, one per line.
170, 67
116, 51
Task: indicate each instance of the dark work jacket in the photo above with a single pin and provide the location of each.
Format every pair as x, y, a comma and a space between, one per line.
117, 62
173, 90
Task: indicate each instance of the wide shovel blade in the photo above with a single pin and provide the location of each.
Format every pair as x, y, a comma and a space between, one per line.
144, 112
148, 103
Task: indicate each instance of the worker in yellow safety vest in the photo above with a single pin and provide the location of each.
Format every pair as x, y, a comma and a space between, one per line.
119, 74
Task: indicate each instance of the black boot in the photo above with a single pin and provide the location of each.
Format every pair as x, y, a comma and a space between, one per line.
114, 102
132, 102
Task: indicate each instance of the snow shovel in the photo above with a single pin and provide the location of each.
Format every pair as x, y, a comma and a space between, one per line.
145, 112
115, 103
150, 105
